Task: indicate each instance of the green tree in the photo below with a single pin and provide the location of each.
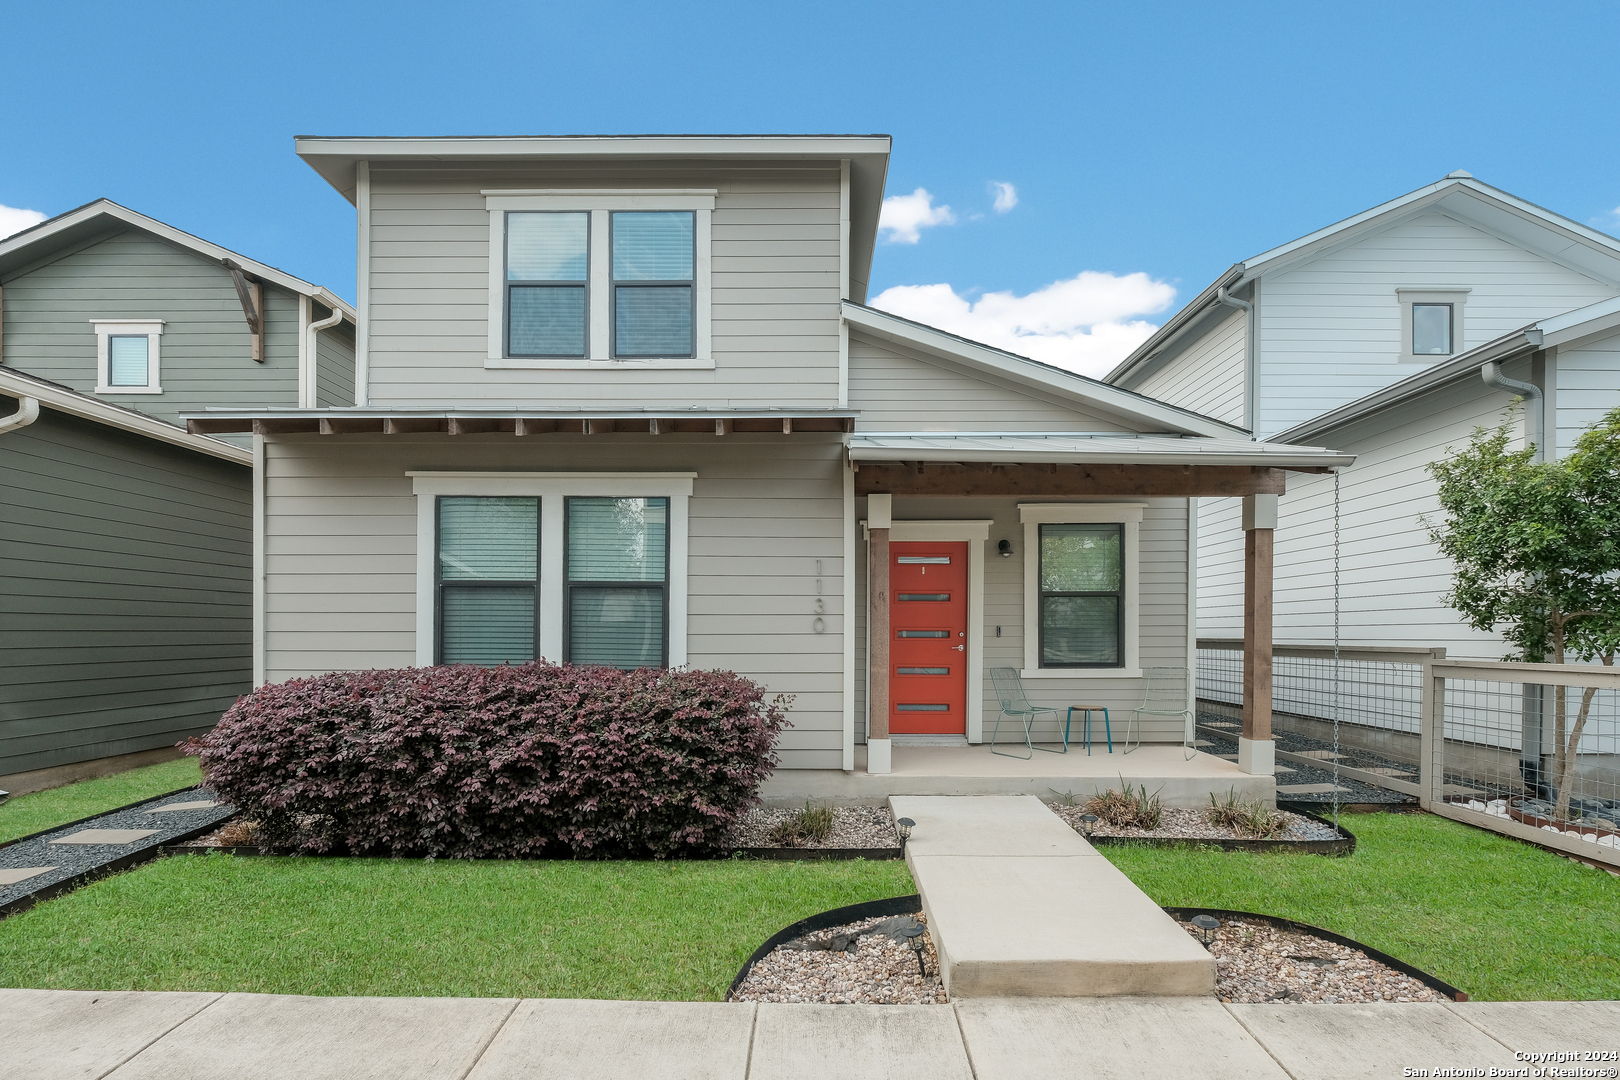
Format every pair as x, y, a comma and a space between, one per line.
1535, 547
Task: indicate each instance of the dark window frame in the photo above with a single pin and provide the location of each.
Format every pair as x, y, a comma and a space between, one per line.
568, 583
614, 284
524, 283
1042, 595
438, 572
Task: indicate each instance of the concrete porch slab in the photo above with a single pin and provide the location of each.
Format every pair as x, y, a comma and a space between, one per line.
1369, 1042
610, 1040
84, 1034
1019, 905
274, 1036
1110, 1039
974, 770
845, 1042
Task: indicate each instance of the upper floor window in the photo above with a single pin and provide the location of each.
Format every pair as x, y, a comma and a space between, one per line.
582, 277
1431, 322
127, 356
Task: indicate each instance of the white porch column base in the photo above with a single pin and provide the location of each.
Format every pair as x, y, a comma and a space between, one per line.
877, 755
1258, 757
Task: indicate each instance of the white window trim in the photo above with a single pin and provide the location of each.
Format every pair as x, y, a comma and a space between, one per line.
1431, 294
600, 204
1033, 515
152, 329
551, 489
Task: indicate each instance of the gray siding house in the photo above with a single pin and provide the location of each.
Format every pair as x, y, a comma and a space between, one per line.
620, 401
125, 541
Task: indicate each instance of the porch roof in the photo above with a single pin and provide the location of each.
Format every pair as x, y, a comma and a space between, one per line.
1081, 448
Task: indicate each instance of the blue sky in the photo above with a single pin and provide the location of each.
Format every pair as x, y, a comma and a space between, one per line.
1164, 141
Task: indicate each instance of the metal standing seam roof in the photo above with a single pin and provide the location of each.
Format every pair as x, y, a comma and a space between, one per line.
1086, 449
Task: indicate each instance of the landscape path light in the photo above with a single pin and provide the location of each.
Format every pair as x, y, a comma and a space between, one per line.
913, 935
904, 827
1088, 822
1206, 926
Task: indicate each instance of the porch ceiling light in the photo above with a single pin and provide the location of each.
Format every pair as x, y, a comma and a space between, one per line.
1206, 926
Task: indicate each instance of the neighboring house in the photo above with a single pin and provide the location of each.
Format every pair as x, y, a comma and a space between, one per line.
1376, 335
620, 402
125, 542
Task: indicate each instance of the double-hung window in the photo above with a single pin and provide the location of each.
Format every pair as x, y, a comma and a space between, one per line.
1081, 589
583, 279
576, 568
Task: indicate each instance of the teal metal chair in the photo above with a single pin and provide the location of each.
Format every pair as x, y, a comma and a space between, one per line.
1164, 693
1015, 703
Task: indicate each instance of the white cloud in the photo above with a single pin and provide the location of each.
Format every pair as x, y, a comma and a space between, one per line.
1083, 323
1006, 195
903, 215
13, 220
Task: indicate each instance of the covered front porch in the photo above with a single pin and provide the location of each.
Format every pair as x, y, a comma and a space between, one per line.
1005, 502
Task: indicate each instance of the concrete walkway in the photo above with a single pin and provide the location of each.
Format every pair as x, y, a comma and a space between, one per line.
87, 1035
1020, 905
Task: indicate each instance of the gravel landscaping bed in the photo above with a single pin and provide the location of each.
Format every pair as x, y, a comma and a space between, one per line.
1257, 962
1183, 824
1352, 791
853, 827
854, 964
70, 860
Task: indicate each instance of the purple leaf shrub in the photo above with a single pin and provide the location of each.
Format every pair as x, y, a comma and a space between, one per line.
472, 762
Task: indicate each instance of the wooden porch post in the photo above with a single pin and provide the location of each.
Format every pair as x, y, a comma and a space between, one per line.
1255, 749
878, 520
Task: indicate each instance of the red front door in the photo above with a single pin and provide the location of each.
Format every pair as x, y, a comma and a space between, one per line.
928, 616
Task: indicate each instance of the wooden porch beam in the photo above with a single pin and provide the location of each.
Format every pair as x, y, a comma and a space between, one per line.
1256, 752
997, 480
877, 591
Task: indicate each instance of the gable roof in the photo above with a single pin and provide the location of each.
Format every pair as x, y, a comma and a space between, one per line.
1590, 321
1459, 195
336, 159
1151, 414
65, 399
92, 220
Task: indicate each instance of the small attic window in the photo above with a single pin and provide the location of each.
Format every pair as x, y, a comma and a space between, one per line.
127, 359
1431, 330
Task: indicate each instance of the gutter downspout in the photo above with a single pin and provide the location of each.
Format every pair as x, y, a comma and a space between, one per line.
1535, 413
27, 412
1250, 380
307, 398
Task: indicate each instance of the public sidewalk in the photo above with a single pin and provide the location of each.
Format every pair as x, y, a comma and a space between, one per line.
58, 1034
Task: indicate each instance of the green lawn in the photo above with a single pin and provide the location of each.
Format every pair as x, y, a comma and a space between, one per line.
1496, 918
648, 930
27, 814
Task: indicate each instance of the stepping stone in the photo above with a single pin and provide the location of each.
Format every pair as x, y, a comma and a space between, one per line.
1320, 755
1310, 789
1282, 769
12, 875
1402, 773
106, 836
205, 804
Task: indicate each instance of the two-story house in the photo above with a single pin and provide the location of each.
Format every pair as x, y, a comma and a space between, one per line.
125, 541
1392, 335
620, 402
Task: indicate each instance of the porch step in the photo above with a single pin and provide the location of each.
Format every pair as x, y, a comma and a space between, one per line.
1019, 905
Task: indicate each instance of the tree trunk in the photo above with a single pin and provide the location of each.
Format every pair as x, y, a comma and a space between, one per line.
1569, 755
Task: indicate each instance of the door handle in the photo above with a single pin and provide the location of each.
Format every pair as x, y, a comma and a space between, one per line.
959, 648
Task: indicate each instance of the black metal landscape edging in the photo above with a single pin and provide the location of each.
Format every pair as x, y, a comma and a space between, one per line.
1433, 982
872, 853
871, 909
1341, 847
123, 862
103, 813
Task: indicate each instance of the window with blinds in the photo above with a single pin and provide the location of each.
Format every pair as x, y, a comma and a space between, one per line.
653, 283
488, 569
129, 360
1082, 581
547, 283
616, 582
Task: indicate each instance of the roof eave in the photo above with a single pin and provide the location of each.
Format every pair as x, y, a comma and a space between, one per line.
1174, 326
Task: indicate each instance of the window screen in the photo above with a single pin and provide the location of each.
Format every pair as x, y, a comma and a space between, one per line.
653, 277
1082, 580
547, 273
1431, 330
617, 572
488, 579
128, 360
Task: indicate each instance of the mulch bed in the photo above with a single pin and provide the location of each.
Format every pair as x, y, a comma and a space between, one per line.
1185, 824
